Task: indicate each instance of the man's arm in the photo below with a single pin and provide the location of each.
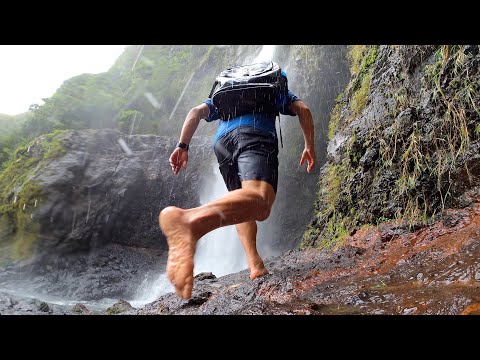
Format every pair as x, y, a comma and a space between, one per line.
179, 157
305, 118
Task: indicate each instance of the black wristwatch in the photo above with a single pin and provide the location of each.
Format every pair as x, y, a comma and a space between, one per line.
183, 146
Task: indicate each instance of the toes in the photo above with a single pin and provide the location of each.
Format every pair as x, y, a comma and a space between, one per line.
179, 286
187, 290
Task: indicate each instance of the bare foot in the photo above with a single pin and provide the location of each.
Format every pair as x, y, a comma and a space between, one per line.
181, 249
257, 268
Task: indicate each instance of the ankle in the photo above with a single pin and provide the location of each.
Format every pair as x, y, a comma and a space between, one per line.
255, 261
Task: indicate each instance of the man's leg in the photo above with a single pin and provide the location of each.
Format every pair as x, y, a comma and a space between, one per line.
247, 232
183, 228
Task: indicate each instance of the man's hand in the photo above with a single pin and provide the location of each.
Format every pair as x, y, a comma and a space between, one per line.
178, 160
308, 155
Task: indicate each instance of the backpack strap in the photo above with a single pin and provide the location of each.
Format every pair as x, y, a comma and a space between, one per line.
280, 128
213, 88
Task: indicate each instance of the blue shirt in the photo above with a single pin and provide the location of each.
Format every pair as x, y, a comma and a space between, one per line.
260, 121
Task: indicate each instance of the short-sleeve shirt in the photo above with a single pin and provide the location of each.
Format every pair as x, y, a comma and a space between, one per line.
259, 121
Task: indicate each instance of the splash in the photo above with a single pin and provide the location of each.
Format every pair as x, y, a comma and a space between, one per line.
152, 287
266, 54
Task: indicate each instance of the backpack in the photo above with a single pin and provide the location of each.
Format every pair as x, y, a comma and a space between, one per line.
248, 89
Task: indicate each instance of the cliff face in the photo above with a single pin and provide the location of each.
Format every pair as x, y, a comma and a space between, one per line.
316, 74
101, 187
404, 140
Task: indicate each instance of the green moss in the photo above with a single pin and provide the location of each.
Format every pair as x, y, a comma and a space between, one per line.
356, 54
333, 225
359, 98
336, 232
310, 237
334, 121
20, 194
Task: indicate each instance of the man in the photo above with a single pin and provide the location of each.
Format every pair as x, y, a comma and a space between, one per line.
246, 148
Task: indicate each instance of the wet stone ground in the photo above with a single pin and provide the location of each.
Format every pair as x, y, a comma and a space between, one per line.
383, 270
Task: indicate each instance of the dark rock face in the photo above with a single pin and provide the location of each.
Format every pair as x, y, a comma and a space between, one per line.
98, 194
98, 214
407, 139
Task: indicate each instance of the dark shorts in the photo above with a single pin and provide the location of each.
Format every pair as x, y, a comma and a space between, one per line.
246, 153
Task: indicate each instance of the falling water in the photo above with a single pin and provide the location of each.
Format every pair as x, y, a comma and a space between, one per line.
220, 251
266, 54
152, 287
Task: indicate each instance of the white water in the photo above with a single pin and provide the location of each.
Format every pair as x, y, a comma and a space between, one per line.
23, 289
266, 54
220, 251
151, 288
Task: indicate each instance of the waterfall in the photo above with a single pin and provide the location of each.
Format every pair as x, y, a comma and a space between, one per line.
220, 251
266, 54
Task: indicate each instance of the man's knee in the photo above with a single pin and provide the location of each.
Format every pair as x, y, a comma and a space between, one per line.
267, 197
264, 213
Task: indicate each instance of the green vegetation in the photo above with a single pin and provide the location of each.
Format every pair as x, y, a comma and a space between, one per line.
359, 98
337, 225
137, 95
20, 194
362, 58
420, 154
334, 120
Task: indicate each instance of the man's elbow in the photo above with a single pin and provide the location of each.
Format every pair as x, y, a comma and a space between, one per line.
198, 112
301, 108
303, 111
194, 114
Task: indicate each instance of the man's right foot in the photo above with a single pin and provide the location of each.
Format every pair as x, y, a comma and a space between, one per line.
257, 268
181, 249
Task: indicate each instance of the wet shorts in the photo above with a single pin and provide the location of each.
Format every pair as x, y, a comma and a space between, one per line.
246, 153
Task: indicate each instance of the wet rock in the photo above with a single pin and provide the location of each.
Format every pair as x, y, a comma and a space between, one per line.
93, 194
204, 276
409, 311
471, 50
81, 309
364, 295
119, 307
369, 158
43, 306
83, 277
199, 299
391, 234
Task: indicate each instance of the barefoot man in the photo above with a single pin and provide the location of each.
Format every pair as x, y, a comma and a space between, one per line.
246, 148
